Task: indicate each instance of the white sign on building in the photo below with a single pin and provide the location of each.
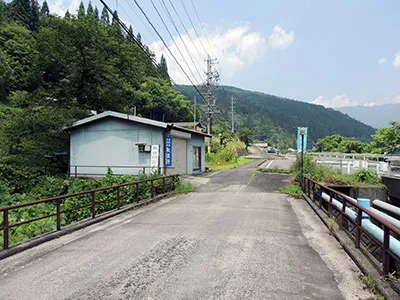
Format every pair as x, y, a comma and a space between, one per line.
155, 155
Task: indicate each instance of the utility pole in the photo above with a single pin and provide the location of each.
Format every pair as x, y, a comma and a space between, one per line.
233, 116
211, 84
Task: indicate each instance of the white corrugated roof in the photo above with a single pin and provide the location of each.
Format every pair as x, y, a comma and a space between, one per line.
119, 116
127, 117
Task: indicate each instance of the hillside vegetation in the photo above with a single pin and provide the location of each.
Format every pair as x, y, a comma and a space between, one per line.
276, 119
56, 70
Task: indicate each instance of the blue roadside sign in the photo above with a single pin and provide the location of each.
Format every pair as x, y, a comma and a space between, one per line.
301, 131
168, 151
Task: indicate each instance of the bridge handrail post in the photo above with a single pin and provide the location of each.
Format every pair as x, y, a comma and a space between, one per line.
5, 229
163, 185
93, 204
320, 196
342, 214
58, 214
357, 242
137, 192
386, 255
118, 198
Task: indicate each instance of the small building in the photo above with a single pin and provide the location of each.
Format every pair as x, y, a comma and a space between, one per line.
133, 145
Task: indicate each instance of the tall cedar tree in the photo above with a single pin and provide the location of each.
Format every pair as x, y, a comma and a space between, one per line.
96, 14
45, 11
164, 68
105, 17
81, 11
89, 10
130, 35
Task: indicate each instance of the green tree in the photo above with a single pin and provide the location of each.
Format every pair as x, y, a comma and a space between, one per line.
5, 75
116, 28
89, 11
105, 18
34, 133
130, 34
330, 143
20, 11
246, 135
45, 11
386, 138
3, 11
164, 68
19, 47
96, 14
81, 11
67, 14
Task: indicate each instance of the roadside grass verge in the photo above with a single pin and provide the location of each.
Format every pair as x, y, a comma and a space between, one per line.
217, 165
275, 170
293, 190
328, 176
182, 188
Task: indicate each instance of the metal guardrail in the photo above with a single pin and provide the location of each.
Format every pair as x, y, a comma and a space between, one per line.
164, 188
88, 170
365, 156
351, 162
379, 251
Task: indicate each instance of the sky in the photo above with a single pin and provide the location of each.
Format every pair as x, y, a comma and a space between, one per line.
332, 53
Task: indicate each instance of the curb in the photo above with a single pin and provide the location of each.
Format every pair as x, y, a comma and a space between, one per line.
33, 242
358, 257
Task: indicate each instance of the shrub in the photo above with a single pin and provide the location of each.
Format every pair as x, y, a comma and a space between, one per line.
367, 176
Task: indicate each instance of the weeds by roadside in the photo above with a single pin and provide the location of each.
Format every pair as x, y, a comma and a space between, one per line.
293, 190
182, 188
279, 171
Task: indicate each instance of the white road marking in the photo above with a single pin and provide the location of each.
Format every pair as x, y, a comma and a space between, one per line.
270, 163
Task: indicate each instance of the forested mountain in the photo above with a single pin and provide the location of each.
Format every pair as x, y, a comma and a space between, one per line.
375, 116
276, 119
55, 70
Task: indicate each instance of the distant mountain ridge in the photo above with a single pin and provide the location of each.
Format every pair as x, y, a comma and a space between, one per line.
270, 115
375, 116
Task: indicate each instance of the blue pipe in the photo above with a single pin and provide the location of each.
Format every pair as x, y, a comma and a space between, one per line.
375, 231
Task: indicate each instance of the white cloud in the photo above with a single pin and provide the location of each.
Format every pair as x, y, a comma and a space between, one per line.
370, 104
280, 39
337, 101
395, 99
382, 60
396, 61
58, 7
235, 49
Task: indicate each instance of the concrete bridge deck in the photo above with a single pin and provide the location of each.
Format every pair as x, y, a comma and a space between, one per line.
235, 238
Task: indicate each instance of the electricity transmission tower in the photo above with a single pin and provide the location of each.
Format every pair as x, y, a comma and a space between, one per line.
211, 85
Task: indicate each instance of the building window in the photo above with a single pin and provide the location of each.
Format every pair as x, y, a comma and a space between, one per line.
196, 158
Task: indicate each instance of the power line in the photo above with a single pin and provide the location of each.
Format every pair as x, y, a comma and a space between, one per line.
179, 34
184, 27
194, 28
150, 31
162, 40
169, 50
172, 38
201, 25
141, 46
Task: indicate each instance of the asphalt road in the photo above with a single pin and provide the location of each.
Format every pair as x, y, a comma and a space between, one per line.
235, 238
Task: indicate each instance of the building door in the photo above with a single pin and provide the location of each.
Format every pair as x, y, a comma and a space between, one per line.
196, 158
